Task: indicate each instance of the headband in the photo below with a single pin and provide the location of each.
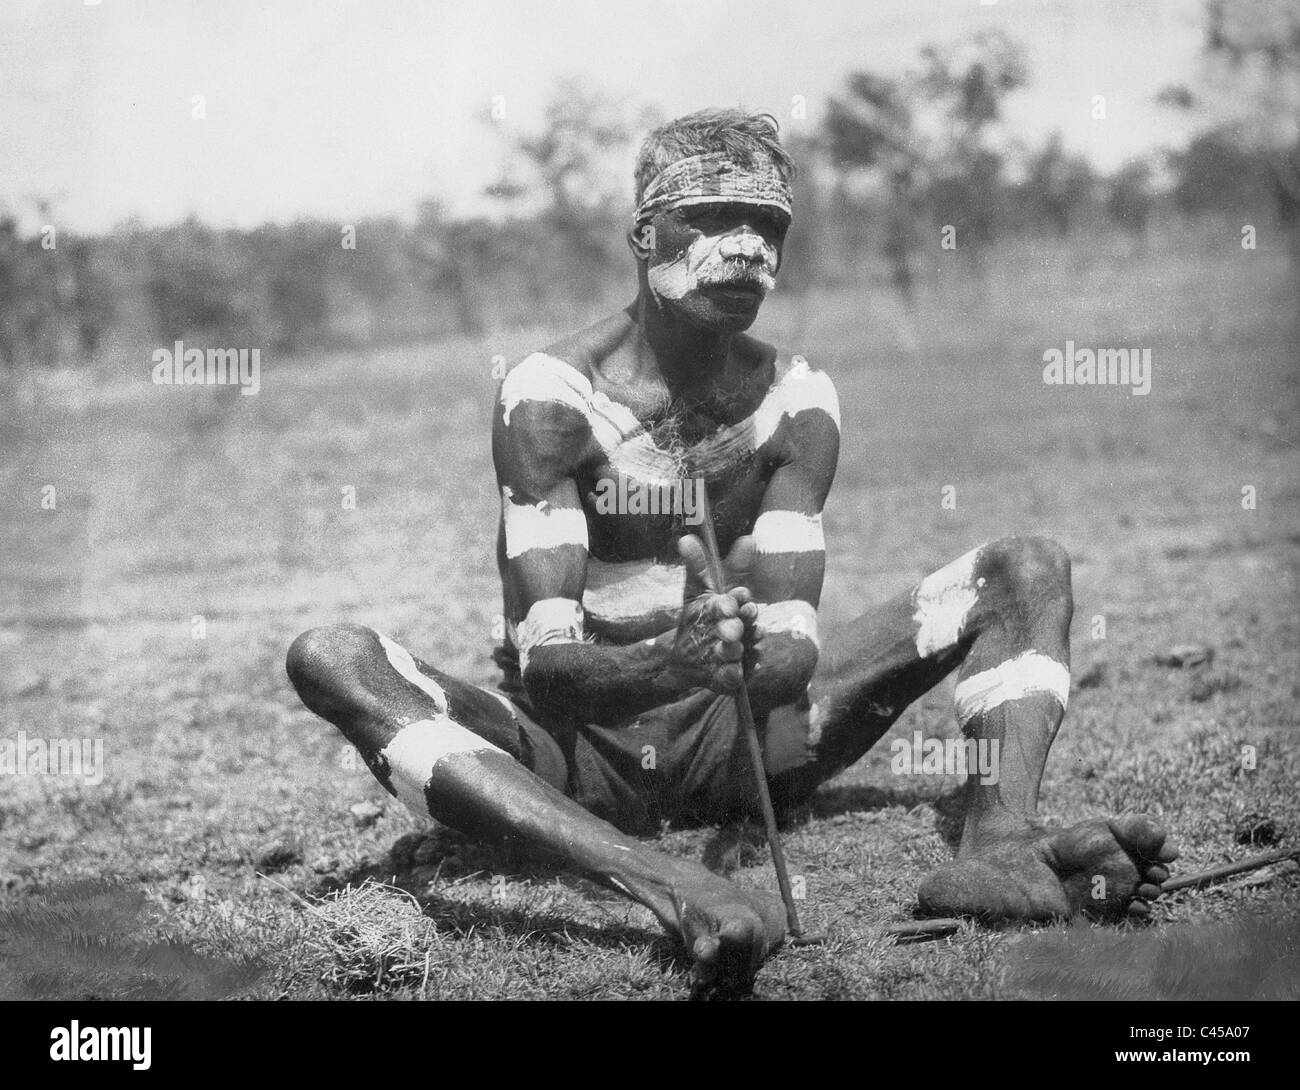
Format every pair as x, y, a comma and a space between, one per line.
711, 178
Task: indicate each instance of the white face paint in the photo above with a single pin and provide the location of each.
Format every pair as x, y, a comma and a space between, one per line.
703, 261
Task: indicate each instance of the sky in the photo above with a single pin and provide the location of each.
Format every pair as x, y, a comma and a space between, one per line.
344, 109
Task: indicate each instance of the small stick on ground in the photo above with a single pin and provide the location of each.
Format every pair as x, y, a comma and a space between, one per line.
941, 927
923, 930
1227, 870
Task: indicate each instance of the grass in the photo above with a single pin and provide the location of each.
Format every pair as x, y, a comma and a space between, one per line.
198, 511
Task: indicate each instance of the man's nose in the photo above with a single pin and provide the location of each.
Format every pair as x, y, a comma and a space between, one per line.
744, 244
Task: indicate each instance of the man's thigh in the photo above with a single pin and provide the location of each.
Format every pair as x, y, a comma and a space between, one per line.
488, 713
867, 674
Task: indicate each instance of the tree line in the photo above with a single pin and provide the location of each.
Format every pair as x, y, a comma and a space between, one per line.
893, 171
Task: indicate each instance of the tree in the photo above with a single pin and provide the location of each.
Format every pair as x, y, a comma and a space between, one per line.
1129, 199
926, 136
1058, 187
567, 172
1251, 62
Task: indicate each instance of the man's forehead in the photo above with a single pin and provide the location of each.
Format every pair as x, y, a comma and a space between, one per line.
714, 177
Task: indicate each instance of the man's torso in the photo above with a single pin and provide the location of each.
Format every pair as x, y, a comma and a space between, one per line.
643, 456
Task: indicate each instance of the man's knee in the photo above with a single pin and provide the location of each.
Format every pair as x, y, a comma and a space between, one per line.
322, 657
1034, 571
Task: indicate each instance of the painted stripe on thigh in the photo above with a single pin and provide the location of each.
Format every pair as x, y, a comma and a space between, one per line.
418, 748
943, 600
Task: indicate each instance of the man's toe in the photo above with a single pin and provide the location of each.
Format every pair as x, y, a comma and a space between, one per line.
1139, 835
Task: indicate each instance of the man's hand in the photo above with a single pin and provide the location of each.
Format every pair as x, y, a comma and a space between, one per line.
717, 622
778, 665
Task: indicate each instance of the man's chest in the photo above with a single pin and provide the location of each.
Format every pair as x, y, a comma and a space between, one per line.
642, 485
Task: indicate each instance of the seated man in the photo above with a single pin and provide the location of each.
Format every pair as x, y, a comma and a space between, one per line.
615, 711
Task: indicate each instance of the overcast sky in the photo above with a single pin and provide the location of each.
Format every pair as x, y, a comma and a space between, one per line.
348, 108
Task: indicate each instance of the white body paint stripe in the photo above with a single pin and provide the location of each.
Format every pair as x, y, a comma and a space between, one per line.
730, 445
797, 387
551, 620
789, 532
794, 616
639, 458
544, 378
816, 720
540, 525
632, 589
1030, 672
809, 389
611, 422
623, 438
942, 600
505, 700
418, 748
400, 659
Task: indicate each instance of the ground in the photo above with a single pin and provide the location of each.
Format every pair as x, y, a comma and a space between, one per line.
192, 512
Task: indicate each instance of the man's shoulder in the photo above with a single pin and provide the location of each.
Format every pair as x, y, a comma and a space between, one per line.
560, 374
797, 384
589, 347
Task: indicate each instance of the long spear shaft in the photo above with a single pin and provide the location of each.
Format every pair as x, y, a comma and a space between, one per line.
745, 713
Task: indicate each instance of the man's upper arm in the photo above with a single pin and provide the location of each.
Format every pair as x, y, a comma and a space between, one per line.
539, 436
790, 559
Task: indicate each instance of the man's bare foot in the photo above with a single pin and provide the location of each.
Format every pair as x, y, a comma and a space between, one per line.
1102, 868
728, 930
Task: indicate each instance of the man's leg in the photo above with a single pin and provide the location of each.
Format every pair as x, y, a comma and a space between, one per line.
453, 752
1002, 612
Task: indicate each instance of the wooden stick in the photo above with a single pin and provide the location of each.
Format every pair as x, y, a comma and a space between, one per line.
919, 930
1227, 870
941, 926
745, 713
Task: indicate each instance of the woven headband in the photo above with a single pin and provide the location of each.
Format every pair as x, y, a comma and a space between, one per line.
711, 178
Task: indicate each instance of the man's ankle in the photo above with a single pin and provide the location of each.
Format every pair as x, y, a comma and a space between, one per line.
994, 827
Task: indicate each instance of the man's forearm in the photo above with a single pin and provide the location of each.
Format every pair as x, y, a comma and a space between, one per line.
600, 683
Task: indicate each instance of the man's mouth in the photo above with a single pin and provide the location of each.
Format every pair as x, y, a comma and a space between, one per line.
743, 291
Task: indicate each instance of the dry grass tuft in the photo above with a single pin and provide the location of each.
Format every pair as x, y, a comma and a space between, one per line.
370, 937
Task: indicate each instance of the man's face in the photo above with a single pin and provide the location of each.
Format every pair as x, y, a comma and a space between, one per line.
713, 264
